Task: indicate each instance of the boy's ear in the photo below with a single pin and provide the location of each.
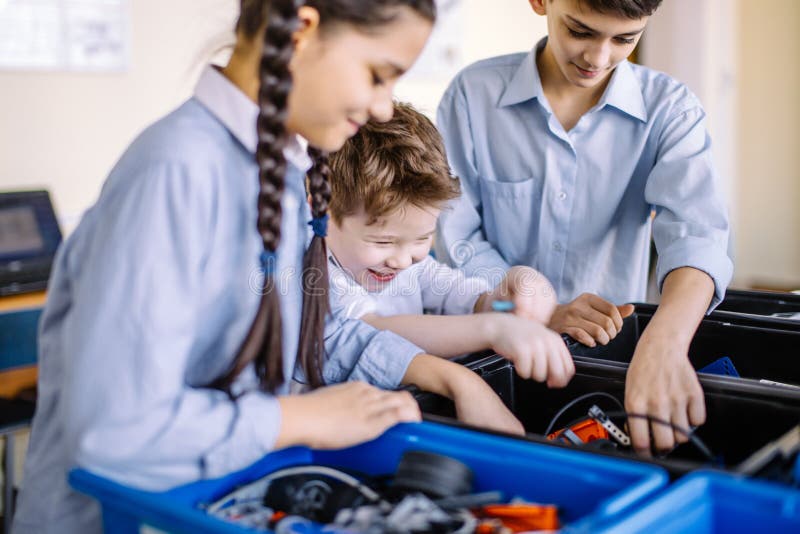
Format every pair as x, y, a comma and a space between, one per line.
539, 6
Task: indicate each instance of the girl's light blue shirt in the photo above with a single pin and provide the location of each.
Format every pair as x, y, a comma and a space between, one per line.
150, 299
576, 205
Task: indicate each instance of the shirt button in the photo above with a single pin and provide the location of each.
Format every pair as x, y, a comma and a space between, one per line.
557, 247
562, 195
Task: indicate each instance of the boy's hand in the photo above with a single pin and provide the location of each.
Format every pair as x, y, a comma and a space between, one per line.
478, 405
590, 319
536, 351
661, 382
532, 295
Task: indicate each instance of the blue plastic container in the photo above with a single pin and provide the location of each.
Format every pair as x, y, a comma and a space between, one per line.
716, 502
590, 489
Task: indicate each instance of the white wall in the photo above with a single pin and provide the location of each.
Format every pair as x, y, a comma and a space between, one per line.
769, 138
490, 28
64, 131
742, 59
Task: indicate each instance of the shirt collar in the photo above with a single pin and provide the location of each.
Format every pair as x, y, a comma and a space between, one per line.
526, 83
239, 114
623, 92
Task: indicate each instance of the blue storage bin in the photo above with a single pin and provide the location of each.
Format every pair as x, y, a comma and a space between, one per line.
716, 502
591, 490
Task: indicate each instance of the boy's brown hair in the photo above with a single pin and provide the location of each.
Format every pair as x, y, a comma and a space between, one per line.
632, 9
388, 165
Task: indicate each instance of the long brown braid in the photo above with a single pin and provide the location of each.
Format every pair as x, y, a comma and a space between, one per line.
311, 350
262, 346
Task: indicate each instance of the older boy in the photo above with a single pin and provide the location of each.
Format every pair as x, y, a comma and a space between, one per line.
563, 153
388, 185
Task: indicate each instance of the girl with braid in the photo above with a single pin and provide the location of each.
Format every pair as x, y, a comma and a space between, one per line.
177, 314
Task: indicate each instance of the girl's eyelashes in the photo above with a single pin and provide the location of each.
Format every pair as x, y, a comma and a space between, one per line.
623, 40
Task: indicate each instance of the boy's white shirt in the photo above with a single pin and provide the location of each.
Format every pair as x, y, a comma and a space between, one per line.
425, 287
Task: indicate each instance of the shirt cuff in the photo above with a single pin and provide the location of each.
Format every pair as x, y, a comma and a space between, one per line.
702, 254
385, 360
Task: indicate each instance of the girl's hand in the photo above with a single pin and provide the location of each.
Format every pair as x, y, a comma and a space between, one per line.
590, 319
342, 415
535, 351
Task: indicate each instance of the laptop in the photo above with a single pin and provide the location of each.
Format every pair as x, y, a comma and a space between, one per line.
29, 238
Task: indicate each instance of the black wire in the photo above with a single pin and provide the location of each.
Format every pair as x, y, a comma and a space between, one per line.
690, 435
573, 402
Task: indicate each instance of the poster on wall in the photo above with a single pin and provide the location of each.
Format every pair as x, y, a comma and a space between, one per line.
66, 35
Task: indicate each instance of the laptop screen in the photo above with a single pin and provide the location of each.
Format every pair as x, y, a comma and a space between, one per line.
29, 238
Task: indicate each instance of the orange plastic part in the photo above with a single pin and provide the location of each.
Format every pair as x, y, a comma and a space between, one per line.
587, 430
522, 517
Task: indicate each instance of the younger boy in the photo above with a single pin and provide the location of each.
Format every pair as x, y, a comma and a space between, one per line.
388, 185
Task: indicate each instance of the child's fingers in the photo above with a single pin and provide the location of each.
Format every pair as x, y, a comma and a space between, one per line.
541, 365
625, 310
663, 434
563, 361
640, 435
581, 336
681, 420
395, 407
557, 374
523, 364
601, 325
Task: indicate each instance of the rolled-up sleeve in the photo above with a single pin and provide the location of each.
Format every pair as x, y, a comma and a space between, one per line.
690, 228
357, 351
460, 238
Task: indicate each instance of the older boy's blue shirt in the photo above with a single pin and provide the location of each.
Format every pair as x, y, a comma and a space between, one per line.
150, 299
577, 205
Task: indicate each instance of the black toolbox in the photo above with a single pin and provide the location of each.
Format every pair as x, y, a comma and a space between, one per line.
759, 348
765, 303
742, 416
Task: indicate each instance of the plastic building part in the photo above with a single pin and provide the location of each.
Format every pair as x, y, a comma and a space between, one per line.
502, 306
614, 431
723, 366
522, 517
582, 432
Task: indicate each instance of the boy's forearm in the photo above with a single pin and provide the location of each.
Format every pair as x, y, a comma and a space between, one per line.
441, 335
685, 297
